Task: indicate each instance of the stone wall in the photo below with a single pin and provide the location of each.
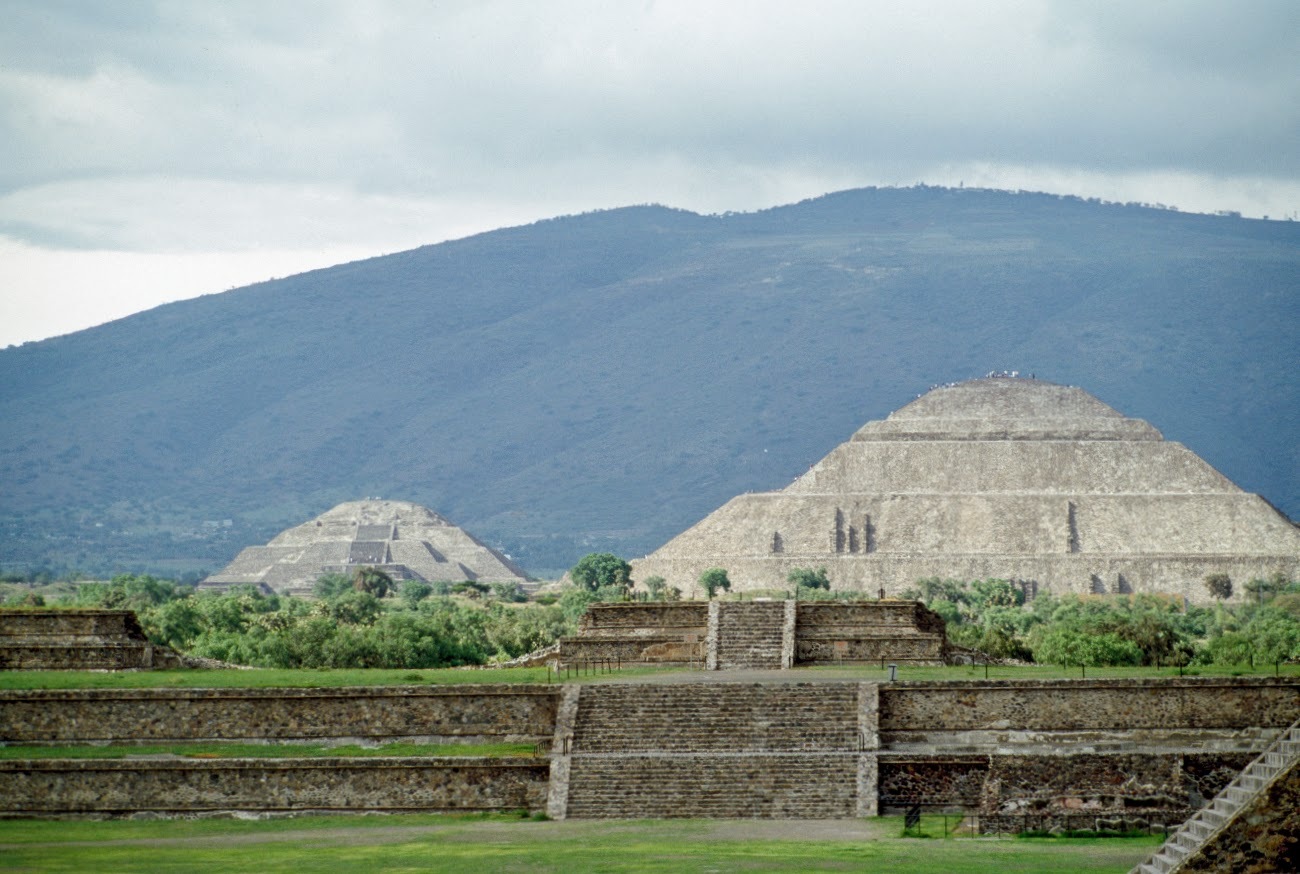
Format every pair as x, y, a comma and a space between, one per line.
822, 786
524, 713
936, 783
829, 632
1007, 749
1265, 837
908, 709
57, 640
337, 785
653, 633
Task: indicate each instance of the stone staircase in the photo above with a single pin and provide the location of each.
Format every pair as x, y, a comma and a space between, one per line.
751, 635
1207, 824
780, 750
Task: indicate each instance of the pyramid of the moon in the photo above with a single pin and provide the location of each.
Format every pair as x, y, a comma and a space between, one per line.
996, 478
407, 541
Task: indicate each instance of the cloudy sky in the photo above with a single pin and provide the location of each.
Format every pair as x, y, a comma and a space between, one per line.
151, 151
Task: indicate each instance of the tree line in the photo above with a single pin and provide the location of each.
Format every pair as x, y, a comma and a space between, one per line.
368, 620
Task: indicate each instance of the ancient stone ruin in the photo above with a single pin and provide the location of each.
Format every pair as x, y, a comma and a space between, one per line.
1005, 478
84, 640
406, 541
763, 635
1008, 754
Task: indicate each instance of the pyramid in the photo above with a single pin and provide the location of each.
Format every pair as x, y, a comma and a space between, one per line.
405, 540
1006, 478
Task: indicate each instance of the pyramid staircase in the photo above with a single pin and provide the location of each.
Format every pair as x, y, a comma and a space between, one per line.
750, 635
1211, 820
786, 750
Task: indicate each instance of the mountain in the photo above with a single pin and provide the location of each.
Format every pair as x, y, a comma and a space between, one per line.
603, 381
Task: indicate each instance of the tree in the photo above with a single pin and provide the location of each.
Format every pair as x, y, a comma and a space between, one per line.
415, 591
809, 578
713, 579
1219, 586
331, 586
597, 570
656, 586
372, 581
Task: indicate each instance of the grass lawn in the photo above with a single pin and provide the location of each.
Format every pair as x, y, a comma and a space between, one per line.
257, 678
478, 844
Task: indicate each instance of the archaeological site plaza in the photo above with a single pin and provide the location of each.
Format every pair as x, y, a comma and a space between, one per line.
406, 541
1009, 478
1006, 478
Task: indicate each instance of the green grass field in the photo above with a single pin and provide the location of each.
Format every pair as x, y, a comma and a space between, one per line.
257, 678
478, 844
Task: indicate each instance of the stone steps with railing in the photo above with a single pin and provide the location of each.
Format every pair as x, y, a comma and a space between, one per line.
1209, 821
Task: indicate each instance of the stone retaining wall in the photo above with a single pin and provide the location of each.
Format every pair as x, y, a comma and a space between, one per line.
747, 785
60, 640
758, 633
911, 708
524, 713
342, 785
1007, 749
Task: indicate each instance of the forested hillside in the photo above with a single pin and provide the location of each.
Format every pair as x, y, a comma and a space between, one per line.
603, 381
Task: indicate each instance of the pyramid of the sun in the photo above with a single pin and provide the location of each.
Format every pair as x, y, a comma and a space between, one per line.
1008, 478
407, 541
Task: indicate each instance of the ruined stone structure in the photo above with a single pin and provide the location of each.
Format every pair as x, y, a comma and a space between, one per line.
723, 635
406, 541
1081, 753
996, 478
1253, 824
83, 640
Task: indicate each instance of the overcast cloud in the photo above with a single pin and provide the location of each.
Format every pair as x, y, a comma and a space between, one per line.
155, 151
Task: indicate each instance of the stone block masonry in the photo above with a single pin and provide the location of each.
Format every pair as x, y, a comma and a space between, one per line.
511, 713
94, 640
1005, 749
1002, 478
343, 785
729, 635
784, 750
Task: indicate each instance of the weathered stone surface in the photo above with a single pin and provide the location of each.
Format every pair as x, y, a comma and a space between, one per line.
1074, 705
407, 541
747, 750
749, 785
87, 640
1263, 838
1008, 478
758, 634
434, 713
115, 787
935, 782
1057, 751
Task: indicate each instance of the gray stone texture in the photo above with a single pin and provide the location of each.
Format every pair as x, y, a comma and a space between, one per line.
1264, 838
179, 786
512, 713
783, 750
758, 634
1008, 478
405, 540
1005, 749
86, 640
